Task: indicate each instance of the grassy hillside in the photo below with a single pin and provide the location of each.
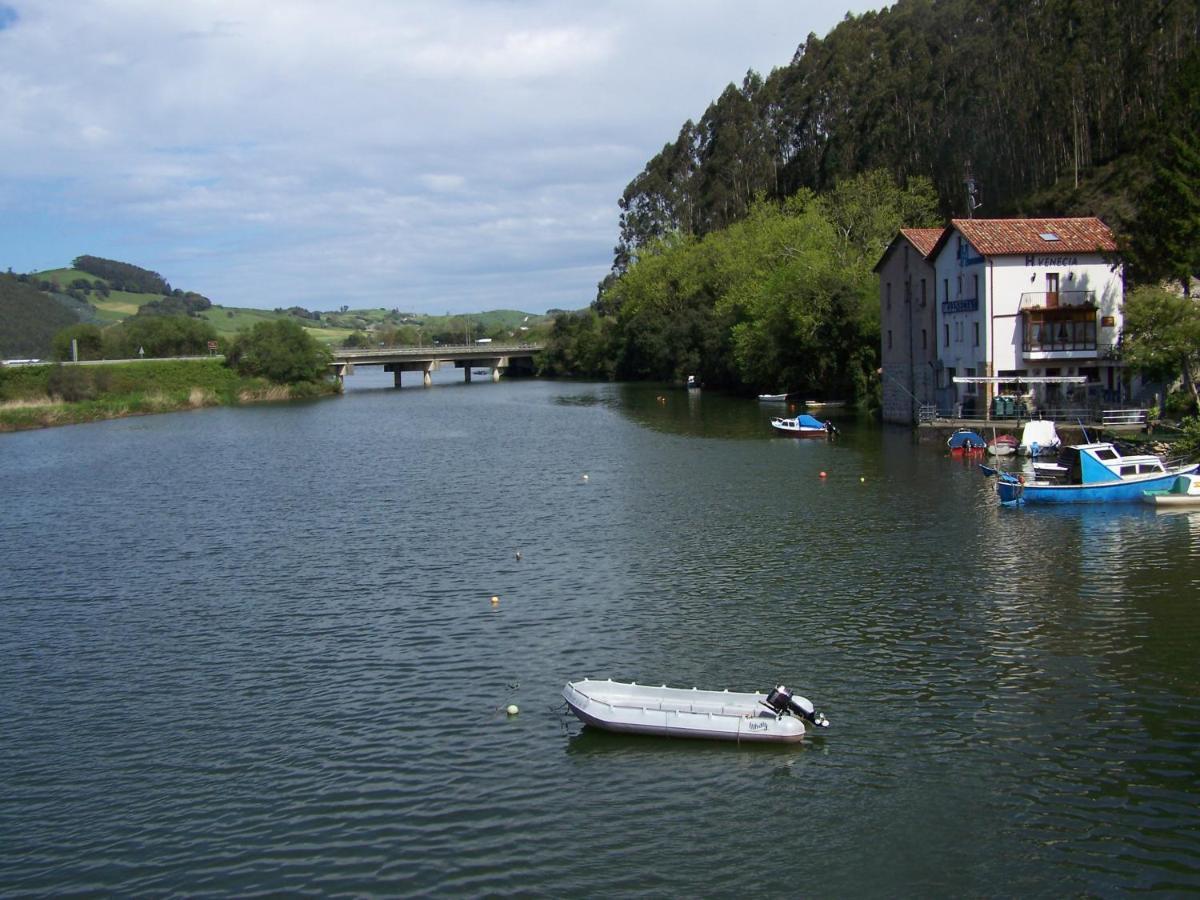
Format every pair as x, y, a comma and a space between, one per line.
29, 319
46, 317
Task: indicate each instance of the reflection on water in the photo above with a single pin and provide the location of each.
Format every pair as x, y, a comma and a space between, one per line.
259, 655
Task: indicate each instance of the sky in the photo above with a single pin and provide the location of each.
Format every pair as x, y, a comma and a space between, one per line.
437, 157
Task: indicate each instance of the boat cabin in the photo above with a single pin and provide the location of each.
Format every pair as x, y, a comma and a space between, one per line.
1098, 463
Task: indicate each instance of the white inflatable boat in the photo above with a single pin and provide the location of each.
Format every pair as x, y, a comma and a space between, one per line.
681, 712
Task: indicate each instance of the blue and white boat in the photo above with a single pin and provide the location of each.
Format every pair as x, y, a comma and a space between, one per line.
803, 426
966, 441
1090, 473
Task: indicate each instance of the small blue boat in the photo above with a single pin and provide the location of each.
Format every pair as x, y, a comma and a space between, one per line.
1090, 473
965, 441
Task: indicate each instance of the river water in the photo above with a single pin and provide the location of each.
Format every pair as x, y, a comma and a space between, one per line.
253, 650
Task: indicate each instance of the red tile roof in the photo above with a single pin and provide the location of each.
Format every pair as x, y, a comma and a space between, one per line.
998, 237
923, 239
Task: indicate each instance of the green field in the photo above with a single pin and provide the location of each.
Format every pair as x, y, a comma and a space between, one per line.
333, 328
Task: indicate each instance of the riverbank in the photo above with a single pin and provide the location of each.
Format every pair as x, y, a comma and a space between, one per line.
49, 395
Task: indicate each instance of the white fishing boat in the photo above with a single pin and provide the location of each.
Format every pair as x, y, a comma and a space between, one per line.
773, 398
778, 716
1183, 493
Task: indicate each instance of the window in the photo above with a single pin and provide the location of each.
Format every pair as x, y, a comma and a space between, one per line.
888, 290
947, 327
976, 334
975, 284
922, 291
946, 289
889, 339
924, 340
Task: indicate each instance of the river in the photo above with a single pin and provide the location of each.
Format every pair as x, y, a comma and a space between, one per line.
253, 650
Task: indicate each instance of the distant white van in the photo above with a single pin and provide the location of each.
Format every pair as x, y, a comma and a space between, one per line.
484, 341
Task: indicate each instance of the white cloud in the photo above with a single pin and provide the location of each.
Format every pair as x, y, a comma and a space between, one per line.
432, 155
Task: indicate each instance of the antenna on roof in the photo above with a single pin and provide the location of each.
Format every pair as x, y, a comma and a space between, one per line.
974, 201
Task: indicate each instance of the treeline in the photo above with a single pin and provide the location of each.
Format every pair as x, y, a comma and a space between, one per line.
785, 299
123, 276
1025, 92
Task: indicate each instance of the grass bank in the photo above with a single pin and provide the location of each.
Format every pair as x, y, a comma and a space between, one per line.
44, 396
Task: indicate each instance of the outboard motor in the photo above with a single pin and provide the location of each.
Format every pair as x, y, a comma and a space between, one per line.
782, 701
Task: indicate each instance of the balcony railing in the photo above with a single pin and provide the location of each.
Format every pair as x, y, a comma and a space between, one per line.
1057, 299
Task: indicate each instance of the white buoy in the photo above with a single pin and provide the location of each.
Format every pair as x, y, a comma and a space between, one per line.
512, 709
518, 556
495, 601
585, 478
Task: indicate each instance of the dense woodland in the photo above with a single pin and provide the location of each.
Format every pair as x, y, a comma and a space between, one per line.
1055, 107
1025, 93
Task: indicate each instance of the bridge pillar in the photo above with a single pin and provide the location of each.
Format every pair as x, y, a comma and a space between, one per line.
396, 377
467, 374
427, 379
496, 374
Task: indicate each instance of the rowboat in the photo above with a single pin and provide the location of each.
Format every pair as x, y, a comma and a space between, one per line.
1184, 492
773, 398
1090, 473
802, 425
631, 708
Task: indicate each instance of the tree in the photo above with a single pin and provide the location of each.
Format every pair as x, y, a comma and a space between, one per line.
1166, 233
158, 336
88, 339
1162, 335
281, 351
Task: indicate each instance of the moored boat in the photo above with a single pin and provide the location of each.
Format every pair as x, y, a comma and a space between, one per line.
773, 398
965, 441
1185, 491
778, 716
802, 425
1039, 438
1002, 445
1090, 473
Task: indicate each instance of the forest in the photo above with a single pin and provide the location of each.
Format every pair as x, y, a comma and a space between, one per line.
741, 257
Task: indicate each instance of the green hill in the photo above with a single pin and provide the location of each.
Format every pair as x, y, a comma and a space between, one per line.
28, 319
43, 303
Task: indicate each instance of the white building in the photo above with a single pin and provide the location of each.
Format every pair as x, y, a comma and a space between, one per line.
1027, 298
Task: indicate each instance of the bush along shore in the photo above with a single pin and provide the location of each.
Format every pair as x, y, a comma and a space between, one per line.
41, 396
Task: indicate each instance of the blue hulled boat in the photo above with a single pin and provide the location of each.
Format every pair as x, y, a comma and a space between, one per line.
1090, 473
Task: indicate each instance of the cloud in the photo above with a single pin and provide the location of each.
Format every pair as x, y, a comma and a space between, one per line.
434, 154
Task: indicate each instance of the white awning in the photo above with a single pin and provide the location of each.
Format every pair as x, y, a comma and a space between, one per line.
1024, 379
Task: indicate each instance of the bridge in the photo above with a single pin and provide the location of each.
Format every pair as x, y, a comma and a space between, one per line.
496, 357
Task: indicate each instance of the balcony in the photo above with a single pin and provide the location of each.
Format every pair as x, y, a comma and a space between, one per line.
1065, 331
1057, 300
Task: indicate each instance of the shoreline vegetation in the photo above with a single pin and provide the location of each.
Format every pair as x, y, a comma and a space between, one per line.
45, 396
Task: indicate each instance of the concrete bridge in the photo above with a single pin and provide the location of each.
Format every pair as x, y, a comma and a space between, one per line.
496, 357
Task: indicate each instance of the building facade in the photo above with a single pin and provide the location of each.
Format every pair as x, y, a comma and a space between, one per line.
908, 324
1027, 298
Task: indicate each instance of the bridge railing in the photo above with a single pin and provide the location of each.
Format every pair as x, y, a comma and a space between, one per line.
438, 350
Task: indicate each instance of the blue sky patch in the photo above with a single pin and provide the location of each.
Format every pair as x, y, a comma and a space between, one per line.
8, 16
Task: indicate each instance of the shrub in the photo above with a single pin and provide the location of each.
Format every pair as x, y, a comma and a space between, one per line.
281, 351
